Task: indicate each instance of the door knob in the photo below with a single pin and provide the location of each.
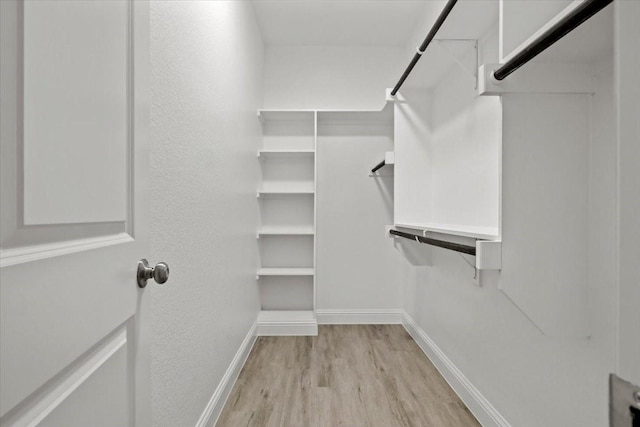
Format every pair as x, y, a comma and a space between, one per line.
160, 273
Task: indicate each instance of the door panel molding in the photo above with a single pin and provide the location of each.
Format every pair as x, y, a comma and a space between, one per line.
76, 110
49, 397
38, 252
23, 242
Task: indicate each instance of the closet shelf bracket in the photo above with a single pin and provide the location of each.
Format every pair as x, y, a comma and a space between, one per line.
538, 78
473, 70
389, 159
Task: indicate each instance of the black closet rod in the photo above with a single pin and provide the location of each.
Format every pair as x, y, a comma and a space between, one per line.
378, 166
563, 27
425, 43
465, 249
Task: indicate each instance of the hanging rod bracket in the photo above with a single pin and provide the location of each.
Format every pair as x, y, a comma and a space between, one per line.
545, 78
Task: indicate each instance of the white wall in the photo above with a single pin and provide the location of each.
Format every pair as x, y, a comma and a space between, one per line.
532, 378
206, 86
330, 77
356, 266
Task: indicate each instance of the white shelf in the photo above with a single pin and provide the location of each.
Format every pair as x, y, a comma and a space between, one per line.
284, 191
286, 231
286, 152
281, 152
287, 322
285, 271
286, 188
488, 233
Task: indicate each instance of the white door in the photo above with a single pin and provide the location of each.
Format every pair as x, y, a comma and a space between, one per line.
74, 126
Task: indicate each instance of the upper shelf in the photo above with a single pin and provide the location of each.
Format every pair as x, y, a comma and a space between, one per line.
281, 187
485, 233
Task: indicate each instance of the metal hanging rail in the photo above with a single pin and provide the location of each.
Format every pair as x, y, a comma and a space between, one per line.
378, 166
563, 27
425, 43
458, 247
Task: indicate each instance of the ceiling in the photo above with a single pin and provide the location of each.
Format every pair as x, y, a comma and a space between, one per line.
340, 22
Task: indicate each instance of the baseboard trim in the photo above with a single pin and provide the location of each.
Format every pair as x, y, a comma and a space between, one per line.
214, 408
359, 317
281, 329
287, 323
481, 408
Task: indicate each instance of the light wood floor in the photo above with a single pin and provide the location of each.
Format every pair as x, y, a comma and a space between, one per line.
349, 375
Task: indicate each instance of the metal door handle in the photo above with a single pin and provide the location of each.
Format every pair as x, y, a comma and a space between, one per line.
160, 273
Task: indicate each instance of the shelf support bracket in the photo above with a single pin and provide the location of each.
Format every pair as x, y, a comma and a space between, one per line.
473, 71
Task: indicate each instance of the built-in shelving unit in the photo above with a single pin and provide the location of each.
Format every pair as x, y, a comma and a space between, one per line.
288, 201
286, 236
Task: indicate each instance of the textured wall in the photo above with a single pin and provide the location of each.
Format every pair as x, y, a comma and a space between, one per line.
332, 77
206, 86
357, 266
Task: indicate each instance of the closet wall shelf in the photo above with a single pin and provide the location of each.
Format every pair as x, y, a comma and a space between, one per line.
281, 271
485, 233
554, 75
572, 17
286, 231
285, 152
285, 190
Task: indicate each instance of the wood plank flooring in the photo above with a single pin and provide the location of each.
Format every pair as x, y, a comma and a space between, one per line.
349, 375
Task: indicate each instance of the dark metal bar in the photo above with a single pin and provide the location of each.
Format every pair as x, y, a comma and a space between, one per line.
458, 247
425, 43
563, 27
378, 166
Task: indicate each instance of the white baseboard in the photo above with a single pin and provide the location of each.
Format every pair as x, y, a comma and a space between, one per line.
359, 317
282, 329
214, 408
481, 408
287, 322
